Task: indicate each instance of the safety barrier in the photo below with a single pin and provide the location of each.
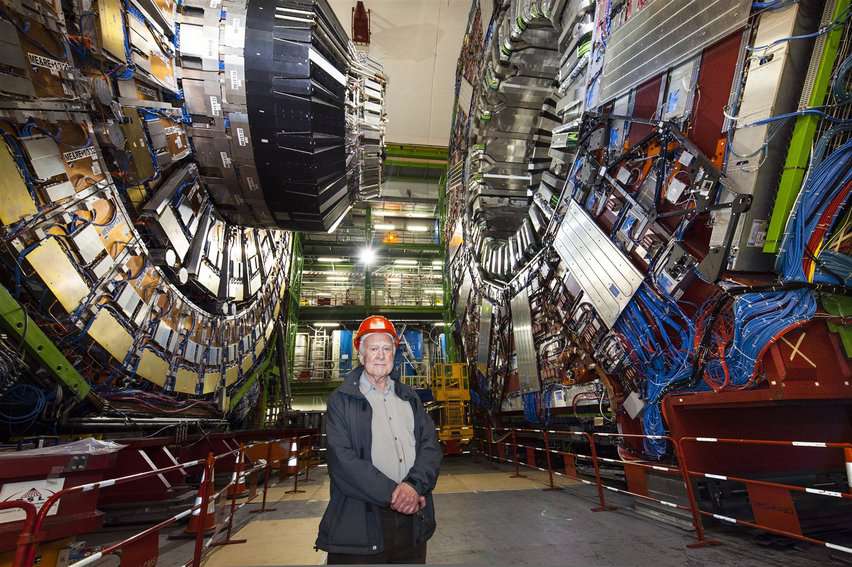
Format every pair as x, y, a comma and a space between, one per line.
507, 438
143, 546
777, 493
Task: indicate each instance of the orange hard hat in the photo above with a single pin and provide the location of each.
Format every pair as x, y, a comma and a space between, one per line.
374, 324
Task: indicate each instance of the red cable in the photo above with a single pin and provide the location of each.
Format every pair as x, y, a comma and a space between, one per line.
822, 227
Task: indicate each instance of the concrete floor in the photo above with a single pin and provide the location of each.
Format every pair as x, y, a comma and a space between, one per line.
486, 517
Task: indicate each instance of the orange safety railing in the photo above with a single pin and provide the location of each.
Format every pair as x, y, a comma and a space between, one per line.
25, 538
843, 448
507, 438
204, 505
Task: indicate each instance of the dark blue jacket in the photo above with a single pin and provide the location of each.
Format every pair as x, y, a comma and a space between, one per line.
351, 523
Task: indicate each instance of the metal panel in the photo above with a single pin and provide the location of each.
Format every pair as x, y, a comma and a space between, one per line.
757, 153
111, 335
524, 346
607, 277
17, 202
60, 275
663, 34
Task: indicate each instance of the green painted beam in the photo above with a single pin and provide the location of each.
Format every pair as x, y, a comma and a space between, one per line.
412, 163
358, 312
416, 151
21, 326
804, 132
258, 371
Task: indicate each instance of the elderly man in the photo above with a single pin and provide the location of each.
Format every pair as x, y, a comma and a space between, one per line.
383, 460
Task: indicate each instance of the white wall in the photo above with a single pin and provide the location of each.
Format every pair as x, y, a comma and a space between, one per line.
418, 42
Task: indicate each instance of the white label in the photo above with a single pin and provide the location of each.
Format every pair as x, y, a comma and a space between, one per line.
757, 236
96, 167
79, 154
675, 190
623, 175
242, 139
226, 160
215, 107
685, 158
179, 143
236, 82
251, 183
36, 492
169, 130
51, 65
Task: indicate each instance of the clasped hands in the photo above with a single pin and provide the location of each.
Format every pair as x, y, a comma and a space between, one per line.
405, 499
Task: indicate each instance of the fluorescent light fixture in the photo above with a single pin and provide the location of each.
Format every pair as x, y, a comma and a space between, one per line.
439, 324
324, 324
417, 228
384, 226
339, 220
336, 279
437, 262
367, 256
406, 262
435, 291
329, 260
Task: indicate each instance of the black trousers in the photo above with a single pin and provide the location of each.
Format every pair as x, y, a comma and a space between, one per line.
398, 530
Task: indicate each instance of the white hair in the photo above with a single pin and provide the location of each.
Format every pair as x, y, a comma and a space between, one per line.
361, 354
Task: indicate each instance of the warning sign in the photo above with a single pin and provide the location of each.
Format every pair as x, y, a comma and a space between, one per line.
36, 492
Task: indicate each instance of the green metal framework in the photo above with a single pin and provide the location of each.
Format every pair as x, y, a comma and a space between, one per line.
414, 155
804, 132
39, 346
294, 289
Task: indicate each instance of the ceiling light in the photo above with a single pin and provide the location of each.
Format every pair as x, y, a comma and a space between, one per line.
384, 226
336, 279
367, 256
326, 324
417, 228
406, 262
439, 324
329, 260
437, 262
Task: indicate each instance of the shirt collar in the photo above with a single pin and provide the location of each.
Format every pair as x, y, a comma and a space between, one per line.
366, 386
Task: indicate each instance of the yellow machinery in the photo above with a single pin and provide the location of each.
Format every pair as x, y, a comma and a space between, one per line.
451, 388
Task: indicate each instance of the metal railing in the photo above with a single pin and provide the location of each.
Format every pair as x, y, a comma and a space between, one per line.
499, 442
302, 454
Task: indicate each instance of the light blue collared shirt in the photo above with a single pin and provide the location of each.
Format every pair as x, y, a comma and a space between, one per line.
393, 449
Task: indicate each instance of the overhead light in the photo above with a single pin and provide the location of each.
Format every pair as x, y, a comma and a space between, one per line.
435, 291
336, 279
420, 215
406, 262
384, 226
417, 228
367, 256
329, 260
439, 324
323, 324
437, 262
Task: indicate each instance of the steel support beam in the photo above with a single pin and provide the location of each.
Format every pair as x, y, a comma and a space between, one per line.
14, 317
